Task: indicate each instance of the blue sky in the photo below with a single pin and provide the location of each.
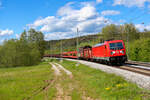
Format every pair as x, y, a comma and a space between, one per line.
59, 19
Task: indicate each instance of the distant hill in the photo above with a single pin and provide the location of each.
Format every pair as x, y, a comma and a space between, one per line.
54, 46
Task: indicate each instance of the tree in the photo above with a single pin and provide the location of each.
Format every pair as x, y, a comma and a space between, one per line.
130, 32
23, 36
37, 38
20, 52
111, 32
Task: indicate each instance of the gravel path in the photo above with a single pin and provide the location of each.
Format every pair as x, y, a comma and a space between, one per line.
65, 70
56, 70
61, 94
141, 80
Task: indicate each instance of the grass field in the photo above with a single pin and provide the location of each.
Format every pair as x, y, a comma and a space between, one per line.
23, 82
40, 83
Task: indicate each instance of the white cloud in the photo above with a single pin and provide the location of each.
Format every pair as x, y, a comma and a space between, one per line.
17, 36
109, 12
87, 11
99, 1
93, 25
65, 10
64, 25
6, 32
58, 35
130, 3
43, 21
141, 27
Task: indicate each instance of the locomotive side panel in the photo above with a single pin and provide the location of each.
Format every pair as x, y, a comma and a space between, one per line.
100, 52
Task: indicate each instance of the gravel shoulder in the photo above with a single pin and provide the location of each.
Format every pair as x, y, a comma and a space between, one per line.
141, 80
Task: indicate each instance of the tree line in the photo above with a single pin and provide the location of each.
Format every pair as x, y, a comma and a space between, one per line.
25, 51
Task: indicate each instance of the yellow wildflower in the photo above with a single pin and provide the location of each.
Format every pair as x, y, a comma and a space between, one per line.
107, 88
125, 84
118, 85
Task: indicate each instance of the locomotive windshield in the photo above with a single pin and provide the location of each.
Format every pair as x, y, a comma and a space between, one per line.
116, 46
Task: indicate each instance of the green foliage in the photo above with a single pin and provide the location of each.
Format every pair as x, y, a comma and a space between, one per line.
145, 34
28, 50
126, 32
140, 50
130, 32
37, 38
110, 32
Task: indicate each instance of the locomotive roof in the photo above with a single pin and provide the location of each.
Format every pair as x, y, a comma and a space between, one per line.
99, 44
110, 41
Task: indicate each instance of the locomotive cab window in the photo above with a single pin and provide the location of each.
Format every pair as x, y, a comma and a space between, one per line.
116, 46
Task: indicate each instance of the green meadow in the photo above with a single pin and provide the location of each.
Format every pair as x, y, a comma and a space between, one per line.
22, 83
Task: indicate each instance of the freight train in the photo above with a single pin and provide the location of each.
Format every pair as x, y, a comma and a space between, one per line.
109, 52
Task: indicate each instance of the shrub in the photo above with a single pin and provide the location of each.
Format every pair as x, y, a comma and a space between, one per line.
140, 50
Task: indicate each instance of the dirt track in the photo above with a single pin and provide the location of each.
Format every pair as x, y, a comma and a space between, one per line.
65, 94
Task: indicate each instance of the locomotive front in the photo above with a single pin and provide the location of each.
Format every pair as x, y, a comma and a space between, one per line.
117, 51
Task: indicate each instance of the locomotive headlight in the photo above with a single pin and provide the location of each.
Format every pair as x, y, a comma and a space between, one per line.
112, 52
122, 51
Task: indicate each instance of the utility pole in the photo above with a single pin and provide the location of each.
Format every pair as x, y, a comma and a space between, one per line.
128, 42
50, 48
61, 50
77, 41
77, 46
128, 46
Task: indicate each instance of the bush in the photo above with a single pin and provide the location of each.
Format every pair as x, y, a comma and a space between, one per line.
140, 50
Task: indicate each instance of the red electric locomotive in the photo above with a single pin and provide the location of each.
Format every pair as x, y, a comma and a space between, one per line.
110, 52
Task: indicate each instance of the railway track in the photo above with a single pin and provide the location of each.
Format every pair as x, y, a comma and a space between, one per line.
140, 70
147, 64
137, 67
